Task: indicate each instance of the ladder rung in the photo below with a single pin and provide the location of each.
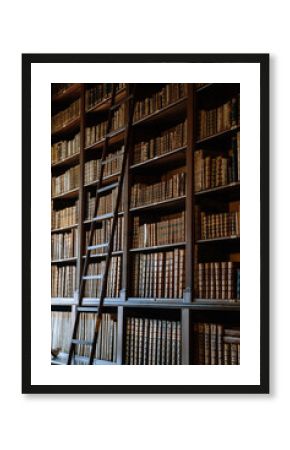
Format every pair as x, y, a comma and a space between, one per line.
102, 217
94, 247
109, 187
81, 342
92, 277
88, 308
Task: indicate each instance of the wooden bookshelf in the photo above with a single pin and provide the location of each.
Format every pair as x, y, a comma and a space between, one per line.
190, 308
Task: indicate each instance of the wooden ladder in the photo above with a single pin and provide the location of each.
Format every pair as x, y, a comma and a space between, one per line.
100, 190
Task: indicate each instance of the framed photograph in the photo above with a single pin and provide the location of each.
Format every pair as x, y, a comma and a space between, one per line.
145, 223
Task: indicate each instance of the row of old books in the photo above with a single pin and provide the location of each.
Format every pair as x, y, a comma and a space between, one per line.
63, 118
118, 118
61, 329
106, 204
170, 186
214, 171
102, 91
59, 88
61, 332
219, 225
168, 94
159, 274
224, 117
64, 245
218, 280
63, 280
106, 348
168, 140
64, 217
92, 170
95, 133
168, 229
102, 235
152, 341
93, 286
113, 162
112, 166
64, 149
67, 181
216, 344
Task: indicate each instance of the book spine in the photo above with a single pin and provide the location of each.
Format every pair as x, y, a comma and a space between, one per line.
207, 349
159, 342
146, 339
163, 342
168, 342
174, 342
213, 344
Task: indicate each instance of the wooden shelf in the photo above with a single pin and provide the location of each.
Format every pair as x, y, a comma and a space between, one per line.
106, 180
62, 301
105, 104
64, 261
216, 88
180, 304
170, 303
164, 204
71, 93
67, 228
91, 304
114, 138
66, 195
217, 303
204, 87
69, 128
157, 248
218, 136
169, 157
67, 161
96, 145
227, 238
115, 133
220, 189
168, 112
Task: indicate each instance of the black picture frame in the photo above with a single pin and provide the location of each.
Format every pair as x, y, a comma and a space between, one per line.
27, 61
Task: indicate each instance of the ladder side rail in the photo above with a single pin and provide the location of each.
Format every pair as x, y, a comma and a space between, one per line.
115, 217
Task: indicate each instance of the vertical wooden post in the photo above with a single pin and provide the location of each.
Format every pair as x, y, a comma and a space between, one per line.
194, 139
190, 232
189, 198
81, 229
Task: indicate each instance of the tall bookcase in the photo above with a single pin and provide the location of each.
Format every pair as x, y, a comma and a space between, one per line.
179, 217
